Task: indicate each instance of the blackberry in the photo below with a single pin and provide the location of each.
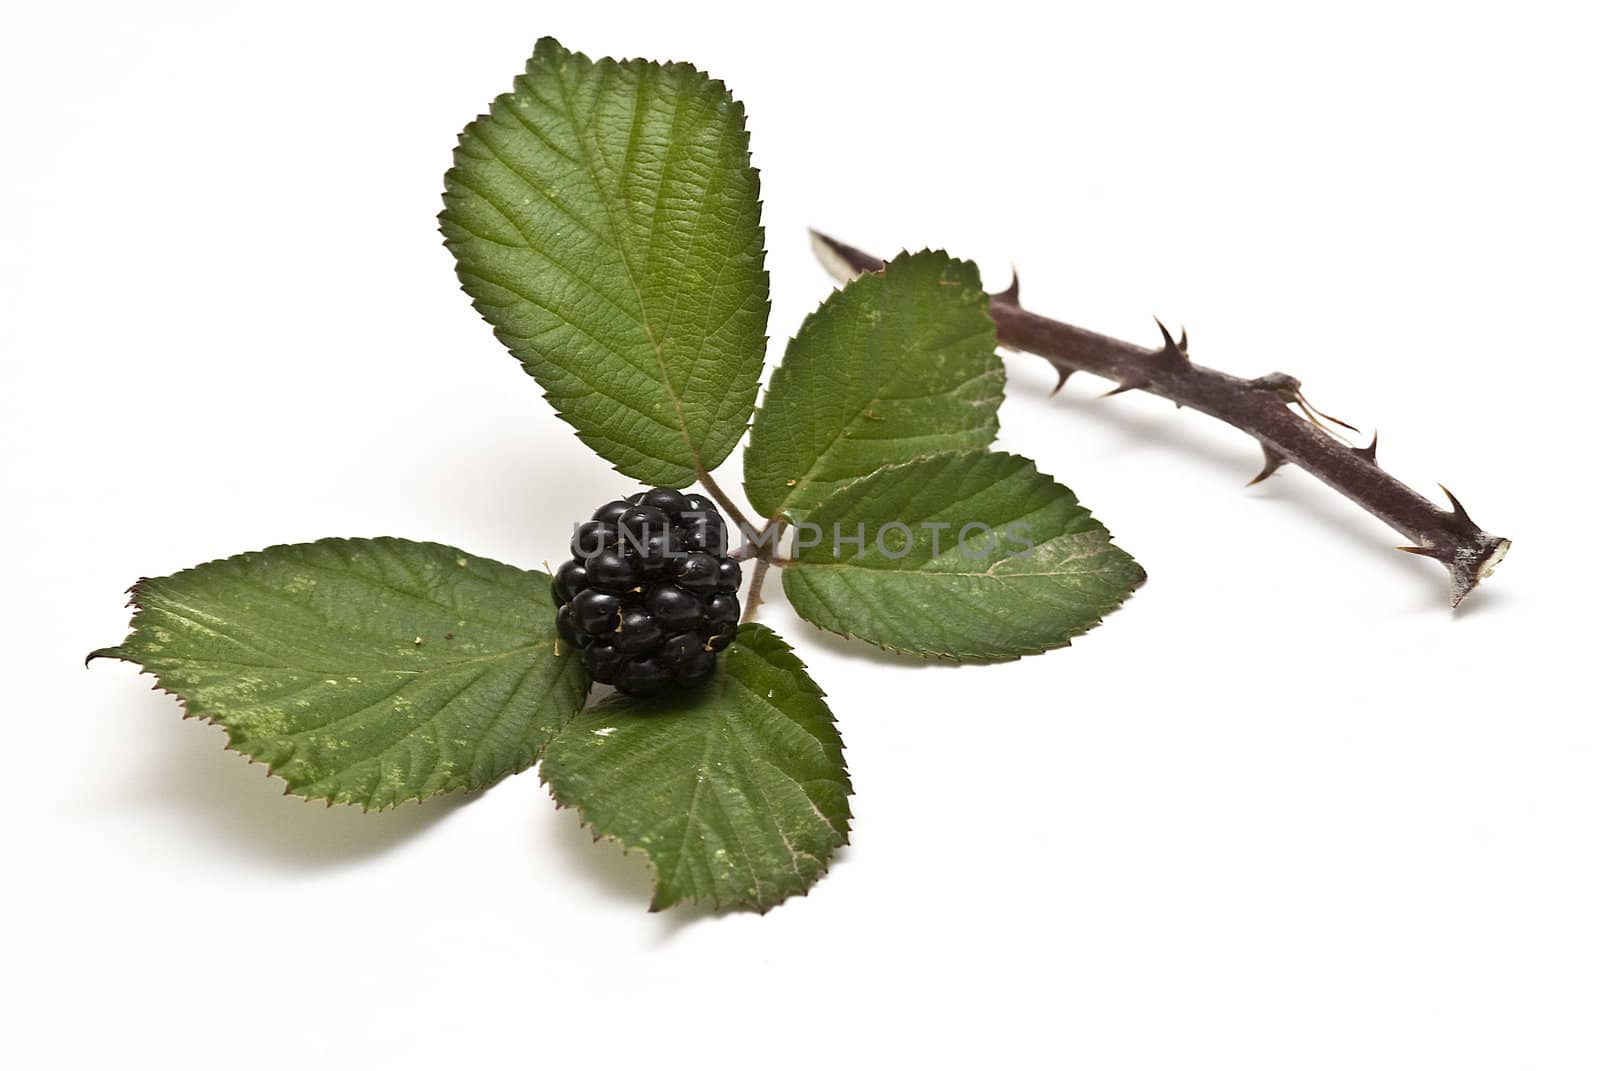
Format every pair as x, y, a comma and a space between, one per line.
648, 595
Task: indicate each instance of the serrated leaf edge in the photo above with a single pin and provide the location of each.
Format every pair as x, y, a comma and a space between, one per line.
160, 686
735, 903
676, 479
999, 371
945, 657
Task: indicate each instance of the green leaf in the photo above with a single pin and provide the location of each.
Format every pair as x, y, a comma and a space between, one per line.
737, 792
898, 365
606, 220
365, 671
982, 601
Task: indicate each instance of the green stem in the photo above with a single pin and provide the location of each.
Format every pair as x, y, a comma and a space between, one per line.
765, 552
715, 491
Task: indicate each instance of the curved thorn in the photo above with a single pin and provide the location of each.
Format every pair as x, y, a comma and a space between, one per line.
1424, 551
1063, 373
1166, 336
1455, 507
1183, 339
1174, 353
1274, 462
1123, 388
1370, 451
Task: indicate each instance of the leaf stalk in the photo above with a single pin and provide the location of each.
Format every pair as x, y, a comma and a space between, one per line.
728, 506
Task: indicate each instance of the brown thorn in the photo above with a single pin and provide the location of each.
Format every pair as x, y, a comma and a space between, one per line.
1176, 352
1370, 451
1455, 507
1061, 382
1274, 462
1424, 551
1166, 336
1123, 388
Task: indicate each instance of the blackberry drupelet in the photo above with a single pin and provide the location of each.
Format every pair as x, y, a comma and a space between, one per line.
648, 595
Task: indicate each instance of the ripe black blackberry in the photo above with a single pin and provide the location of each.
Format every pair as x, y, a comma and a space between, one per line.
648, 595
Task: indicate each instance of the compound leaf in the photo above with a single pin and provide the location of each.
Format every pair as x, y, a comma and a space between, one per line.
897, 365
605, 219
736, 792
972, 556
365, 671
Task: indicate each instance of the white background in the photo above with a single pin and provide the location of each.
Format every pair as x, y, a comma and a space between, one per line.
1284, 810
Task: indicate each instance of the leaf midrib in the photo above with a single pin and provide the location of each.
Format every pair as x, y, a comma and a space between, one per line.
158, 664
810, 476
627, 267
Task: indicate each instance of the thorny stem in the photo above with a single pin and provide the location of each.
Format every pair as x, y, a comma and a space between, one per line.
1258, 407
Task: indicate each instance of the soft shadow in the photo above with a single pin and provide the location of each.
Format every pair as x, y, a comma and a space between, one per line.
679, 919
624, 877
493, 488
1479, 602
243, 812
1141, 430
627, 878
1301, 493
